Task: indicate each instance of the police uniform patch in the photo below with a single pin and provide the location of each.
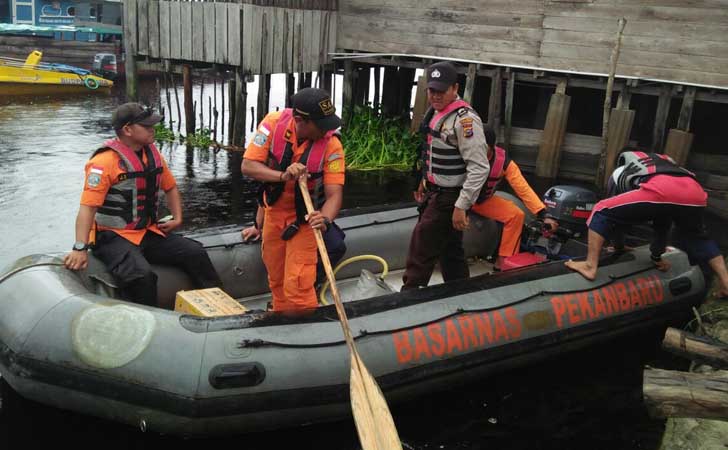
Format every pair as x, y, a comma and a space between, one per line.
287, 135
462, 112
93, 180
260, 139
467, 125
466, 120
334, 157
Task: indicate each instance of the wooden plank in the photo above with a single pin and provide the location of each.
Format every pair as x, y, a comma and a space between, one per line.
153, 26
686, 111
186, 31
639, 12
198, 32
678, 145
670, 393
279, 36
164, 33
549, 154
130, 43
233, 33
314, 51
221, 33
298, 41
270, 20
308, 31
439, 16
620, 127
131, 23
469, 83
209, 27
142, 27
663, 109
333, 34
247, 42
175, 33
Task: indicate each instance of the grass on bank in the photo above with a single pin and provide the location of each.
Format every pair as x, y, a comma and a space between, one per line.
201, 138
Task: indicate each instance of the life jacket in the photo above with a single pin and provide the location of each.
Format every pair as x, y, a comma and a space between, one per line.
442, 163
131, 203
280, 156
498, 166
640, 166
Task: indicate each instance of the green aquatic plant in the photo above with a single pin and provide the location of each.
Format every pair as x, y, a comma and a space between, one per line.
374, 142
163, 134
201, 138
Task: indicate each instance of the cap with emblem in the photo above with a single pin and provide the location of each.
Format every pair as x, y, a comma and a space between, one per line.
442, 75
134, 113
315, 104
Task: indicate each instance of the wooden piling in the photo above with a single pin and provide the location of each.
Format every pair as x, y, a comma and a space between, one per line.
377, 82
549, 152
252, 122
470, 77
663, 109
189, 113
421, 104
495, 100
176, 100
222, 109
510, 88
169, 100
620, 128
347, 103
202, 104
232, 108
361, 87
263, 97
406, 82
241, 99
680, 140
390, 91
290, 88
327, 80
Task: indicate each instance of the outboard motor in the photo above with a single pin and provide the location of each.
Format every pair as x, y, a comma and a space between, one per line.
571, 206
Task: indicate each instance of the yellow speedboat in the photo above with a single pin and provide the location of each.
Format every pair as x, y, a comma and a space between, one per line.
32, 77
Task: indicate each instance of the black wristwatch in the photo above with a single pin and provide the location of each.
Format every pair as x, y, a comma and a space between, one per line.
80, 246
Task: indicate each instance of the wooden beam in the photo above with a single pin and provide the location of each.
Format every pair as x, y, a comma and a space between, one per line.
241, 106
510, 88
495, 101
670, 393
263, 97
686, 111
549, 152
470, 76
189, 113
663, 109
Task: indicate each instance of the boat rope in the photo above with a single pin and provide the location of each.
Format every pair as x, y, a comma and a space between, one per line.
353, 227
254, 343
346, 262
20, 269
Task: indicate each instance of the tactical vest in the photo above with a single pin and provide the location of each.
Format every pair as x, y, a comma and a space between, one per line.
443, 164
498, 167
131, 203
280, 156
640, 166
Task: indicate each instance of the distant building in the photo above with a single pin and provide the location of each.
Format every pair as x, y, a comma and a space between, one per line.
104, 15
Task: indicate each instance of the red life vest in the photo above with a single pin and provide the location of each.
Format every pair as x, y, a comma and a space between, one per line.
280, 156
640, 166
498, 166
132, 202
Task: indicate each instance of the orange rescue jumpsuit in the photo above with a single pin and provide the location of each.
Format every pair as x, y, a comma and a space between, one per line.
291, 264
506, 212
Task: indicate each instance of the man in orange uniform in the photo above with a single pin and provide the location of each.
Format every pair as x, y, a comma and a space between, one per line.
295, 142
505, 211
121, 197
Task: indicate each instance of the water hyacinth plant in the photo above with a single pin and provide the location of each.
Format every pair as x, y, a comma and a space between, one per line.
373, 142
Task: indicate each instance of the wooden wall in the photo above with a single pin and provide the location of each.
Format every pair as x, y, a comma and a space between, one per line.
683, 41
261, 39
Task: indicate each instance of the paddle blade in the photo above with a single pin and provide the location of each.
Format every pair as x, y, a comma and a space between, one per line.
374, 422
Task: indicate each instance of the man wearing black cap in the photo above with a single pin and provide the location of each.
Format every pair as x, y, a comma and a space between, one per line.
295, 142
118, 213
455, 168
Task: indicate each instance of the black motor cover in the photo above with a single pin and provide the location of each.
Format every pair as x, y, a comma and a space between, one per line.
570, 205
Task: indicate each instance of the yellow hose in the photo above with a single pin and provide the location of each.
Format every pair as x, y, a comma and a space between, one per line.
346, 262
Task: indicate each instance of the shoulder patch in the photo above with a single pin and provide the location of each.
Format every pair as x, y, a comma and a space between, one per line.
334, 157
467, 124
93, 180
462, 112
260, 139
287, 135
335, 166
263, 129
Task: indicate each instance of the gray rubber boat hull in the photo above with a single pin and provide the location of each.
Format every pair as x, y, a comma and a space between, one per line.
65, 343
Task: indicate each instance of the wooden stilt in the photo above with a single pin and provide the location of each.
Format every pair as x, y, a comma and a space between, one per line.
348, 101
495, 100
189, 113
549, 153
263, 97
377, 82
663, 109
241, 99
470, 83
510, 88
290, 88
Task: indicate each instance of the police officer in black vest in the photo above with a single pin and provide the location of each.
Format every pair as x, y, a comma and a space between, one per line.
455, 168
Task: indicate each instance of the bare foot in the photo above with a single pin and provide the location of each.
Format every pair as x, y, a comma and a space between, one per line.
584, 268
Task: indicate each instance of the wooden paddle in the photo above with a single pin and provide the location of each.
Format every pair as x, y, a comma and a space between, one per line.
373, 420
